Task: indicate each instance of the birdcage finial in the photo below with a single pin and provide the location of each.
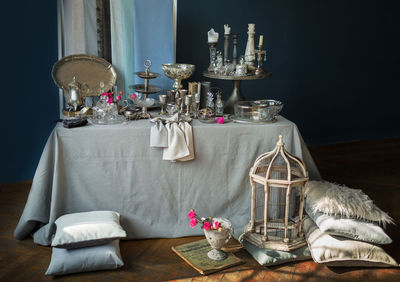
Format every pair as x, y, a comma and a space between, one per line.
280, 142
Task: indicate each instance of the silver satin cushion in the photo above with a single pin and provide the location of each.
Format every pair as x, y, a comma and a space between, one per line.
85, 229
158, 135
65, 261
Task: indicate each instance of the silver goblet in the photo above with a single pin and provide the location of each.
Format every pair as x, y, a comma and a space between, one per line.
188, 103
163, 101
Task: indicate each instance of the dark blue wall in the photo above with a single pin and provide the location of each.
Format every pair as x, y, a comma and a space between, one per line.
29, 96
335, 64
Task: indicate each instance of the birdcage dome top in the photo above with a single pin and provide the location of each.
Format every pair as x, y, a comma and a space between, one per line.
279, 165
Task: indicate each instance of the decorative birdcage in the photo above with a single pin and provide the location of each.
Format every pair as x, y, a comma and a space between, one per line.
277, 179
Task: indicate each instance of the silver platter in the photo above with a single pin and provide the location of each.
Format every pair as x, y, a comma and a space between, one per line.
249, 121
144, 75
88, 71
211, 120
214, 120
141, 89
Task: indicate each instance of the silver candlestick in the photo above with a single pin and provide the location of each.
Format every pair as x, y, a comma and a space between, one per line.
163, 101
188, 103
226, 47
235, 42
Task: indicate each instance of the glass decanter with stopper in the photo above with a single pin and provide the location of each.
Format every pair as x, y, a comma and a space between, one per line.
219, 105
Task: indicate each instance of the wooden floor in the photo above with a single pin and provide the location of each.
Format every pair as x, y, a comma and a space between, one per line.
371, 166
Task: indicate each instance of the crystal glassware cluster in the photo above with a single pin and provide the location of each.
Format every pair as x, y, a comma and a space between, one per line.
105, 113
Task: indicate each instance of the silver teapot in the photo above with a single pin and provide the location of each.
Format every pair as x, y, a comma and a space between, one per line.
73, 96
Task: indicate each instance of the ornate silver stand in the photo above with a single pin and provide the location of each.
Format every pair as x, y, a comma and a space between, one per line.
237, 94
145, 89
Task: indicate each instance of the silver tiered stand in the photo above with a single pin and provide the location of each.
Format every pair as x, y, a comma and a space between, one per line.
146, 89
236, 93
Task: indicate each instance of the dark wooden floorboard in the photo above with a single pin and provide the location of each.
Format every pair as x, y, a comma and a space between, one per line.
372, 166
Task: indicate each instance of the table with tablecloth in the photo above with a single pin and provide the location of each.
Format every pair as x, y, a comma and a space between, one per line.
112, 167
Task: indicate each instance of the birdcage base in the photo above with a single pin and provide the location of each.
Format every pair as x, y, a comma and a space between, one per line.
272, 242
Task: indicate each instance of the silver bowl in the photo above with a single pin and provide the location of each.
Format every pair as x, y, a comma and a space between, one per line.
177, 72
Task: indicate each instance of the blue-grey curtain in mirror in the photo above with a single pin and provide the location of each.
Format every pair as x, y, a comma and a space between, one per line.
124, 32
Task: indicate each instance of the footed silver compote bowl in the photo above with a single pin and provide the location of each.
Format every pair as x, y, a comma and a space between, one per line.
177, 72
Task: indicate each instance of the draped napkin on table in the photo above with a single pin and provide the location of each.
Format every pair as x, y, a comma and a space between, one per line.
176, 137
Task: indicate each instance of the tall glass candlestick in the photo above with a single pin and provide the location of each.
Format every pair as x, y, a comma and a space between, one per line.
213, 54
249, 54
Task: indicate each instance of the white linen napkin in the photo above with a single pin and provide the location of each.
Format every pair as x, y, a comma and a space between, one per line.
158, 135
187, 129
177, 147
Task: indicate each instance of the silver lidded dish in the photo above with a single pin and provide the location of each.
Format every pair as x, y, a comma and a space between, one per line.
258, 111
177, 72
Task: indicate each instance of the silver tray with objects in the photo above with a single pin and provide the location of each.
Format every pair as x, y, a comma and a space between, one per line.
88, 71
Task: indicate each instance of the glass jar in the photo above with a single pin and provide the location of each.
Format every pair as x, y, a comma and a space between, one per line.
219, 106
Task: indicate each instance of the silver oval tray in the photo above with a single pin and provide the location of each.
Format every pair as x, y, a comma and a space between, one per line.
88, 70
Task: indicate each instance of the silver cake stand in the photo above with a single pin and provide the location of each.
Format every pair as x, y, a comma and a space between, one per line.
145, 89
237, 94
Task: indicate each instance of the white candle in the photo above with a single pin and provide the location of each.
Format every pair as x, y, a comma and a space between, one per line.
260, 43
227, 29
212, 36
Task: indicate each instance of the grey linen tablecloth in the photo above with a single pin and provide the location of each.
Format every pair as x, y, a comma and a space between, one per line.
113, 167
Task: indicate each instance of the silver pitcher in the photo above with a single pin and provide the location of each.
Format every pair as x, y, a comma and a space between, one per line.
73, 96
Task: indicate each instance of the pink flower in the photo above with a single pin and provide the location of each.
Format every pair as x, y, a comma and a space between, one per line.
104, 94
110, 100
133, 96
191, 214
193, 222
216, 225
121, 92
220, 120
118, 97
207, 225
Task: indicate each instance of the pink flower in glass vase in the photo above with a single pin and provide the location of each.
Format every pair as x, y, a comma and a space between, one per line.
134, 96
118, 98
193, 222
216, 225
191, 214
207, 225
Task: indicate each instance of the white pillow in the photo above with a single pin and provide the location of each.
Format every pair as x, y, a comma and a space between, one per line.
349, 227
85, 229
340, 251
64, 261
333, 199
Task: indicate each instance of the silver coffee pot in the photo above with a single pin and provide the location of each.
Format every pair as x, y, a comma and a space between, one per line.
73, 96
